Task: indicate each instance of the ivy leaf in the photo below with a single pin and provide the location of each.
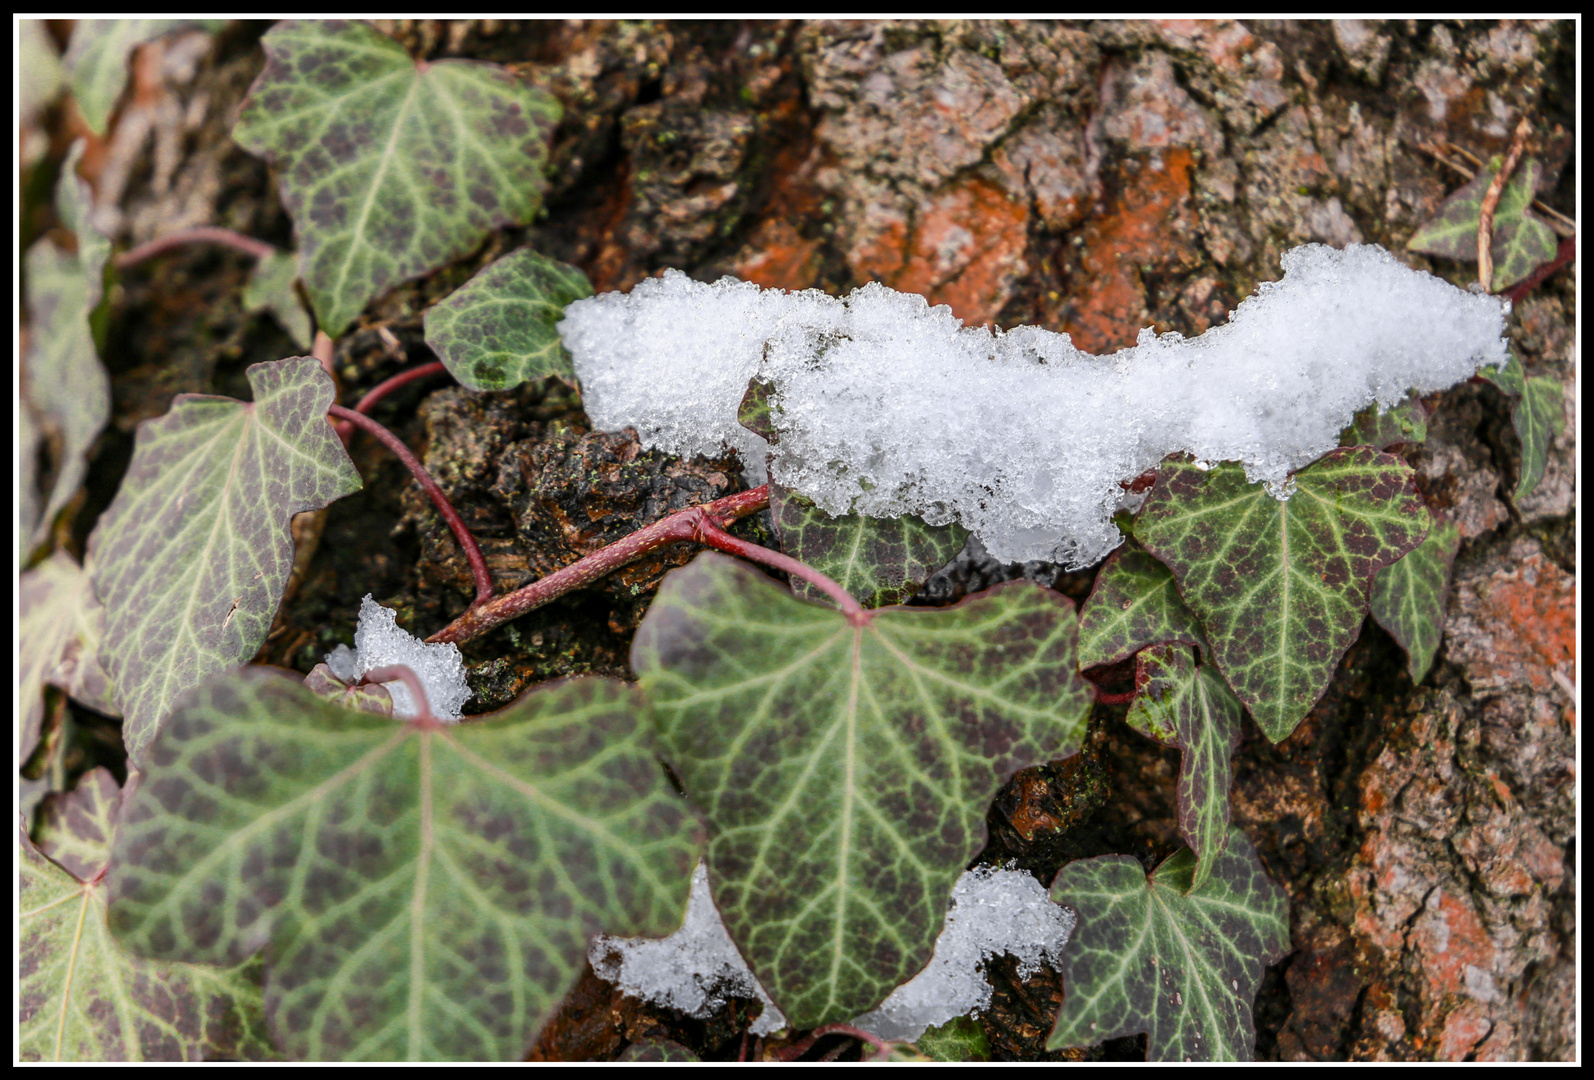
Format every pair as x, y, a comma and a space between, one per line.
960, 1039
96, 59
1134, 603
844, 770
498, 331
63, 381
1520, 242
1180, 704
58, 640
1538, 418
389, 168
755, 410
1156, 955
362, 697
1383, 428
654, 1051
192, 556
1281, 587
82, 997
270, 288
880, 561
1408, 597
422, 891
74, 828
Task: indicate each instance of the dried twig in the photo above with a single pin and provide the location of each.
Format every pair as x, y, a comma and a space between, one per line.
1491, 199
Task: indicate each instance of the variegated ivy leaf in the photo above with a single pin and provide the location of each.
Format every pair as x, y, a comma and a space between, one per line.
880, 561
1181, 704
1536, 416
1519, 242
270, 288
60, 624
74, 827
96, 59
422, 891
389, 168
82, 997
498, 331
1281, 586
192, 556
63, 382
1382, 428
1160, 955
1408, 597
1134, 603
362, 697
844, 767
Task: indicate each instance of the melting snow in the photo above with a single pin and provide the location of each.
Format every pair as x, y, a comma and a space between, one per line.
992, 912
378, 642
887, 406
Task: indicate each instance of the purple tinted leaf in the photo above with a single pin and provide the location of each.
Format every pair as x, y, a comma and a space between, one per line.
1519, 243
58, 640
1383, 428
75, 827
1408, 597
1134, 603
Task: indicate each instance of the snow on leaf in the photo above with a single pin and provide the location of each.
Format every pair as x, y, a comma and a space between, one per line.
82, 997
192, 556
1134, 603
96, 60
421, 892
1180, 704
58, 640
497, 331
1408, 597
844, 770
63, 382
1383, 428
880, 561
388, 167
1281, 587
1538, 418
1519, 243
74, 828
270, 288
1154, 955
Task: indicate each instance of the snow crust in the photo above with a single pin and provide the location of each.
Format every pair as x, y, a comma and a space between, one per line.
379, 641
884, 405
992, 911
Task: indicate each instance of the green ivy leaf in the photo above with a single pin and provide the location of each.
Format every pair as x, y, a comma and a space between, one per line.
1383, 428
96, 59
658, 1050
1408, 597
960, 1039
422, 891
754, 411
362, 697
270, 288
1180, 704
880, 561
1538, 418
59, 627
192, 556
844, 770
1134, 603
1520, 242
1281, 587
63, 381
1510, 379
389, 168
82, 997
1154, 955
74, 828
498, 331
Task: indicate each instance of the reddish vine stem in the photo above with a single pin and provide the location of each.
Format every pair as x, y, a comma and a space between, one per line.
716, 537
882, 1049
403, 378
199, 234
1491, 199
478, 565
684, 525
405, 674
1104, 698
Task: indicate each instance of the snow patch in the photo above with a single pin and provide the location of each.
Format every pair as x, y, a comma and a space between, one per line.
379, 642
884, 405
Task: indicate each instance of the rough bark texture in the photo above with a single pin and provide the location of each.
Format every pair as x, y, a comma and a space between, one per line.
1091, 177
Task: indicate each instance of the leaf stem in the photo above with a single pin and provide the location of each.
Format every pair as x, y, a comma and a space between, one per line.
199, 234
403, 378
718, 538
882, 1049
405, 674
1491, 199
478, 565
678, 527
